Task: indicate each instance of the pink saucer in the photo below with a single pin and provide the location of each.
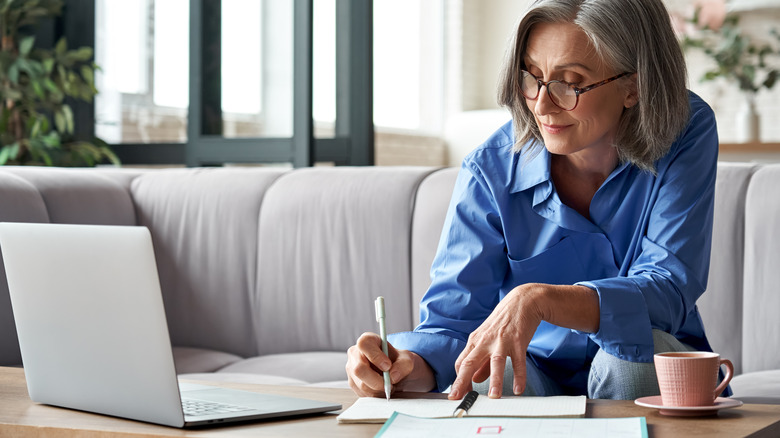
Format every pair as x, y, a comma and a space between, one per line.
687, 411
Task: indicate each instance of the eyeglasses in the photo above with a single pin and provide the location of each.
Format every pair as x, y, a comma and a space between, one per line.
563, 94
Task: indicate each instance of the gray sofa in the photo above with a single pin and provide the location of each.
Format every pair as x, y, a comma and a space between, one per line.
269, 275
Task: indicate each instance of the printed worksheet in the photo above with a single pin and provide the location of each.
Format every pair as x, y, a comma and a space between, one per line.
407, 426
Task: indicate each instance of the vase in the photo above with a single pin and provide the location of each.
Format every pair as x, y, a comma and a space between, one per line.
747, 125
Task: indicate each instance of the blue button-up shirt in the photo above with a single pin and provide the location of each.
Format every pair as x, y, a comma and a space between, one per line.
645, 250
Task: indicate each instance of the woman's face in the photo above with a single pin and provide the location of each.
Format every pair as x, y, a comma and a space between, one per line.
563, 52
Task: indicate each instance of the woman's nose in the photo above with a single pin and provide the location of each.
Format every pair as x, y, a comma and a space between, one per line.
544, 105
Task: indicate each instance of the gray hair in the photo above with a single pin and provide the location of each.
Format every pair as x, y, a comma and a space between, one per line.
628, 35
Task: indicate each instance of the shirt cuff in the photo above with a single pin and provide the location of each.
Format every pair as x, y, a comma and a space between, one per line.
440, 351
624, 328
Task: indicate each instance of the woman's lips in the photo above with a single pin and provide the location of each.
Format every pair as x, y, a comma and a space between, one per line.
554, 129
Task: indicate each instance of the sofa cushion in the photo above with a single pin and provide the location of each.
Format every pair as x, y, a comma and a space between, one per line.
20, 201
761, 324
430, 210
204, 228
251, 378
721, 304
757, 384
310, 367
331, 240
199, 360
81, 196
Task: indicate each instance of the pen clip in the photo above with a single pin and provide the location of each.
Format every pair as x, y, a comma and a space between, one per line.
379, 308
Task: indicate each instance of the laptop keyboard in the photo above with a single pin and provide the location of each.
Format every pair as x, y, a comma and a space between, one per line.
199, 407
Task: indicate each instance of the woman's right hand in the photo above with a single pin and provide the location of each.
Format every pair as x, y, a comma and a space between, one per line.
366, 362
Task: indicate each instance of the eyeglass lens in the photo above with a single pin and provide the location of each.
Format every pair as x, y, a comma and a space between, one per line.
562, 94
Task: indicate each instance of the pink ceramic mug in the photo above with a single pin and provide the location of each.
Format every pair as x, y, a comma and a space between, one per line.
690, 378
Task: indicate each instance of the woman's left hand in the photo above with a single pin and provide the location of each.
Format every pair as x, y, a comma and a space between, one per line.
505, 333
508, 330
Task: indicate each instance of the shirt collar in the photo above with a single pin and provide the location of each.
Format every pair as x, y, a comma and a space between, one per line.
532, 167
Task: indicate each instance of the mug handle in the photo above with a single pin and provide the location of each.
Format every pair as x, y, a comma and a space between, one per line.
726, 378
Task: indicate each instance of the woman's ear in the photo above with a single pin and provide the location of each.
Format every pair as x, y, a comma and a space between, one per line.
632, 92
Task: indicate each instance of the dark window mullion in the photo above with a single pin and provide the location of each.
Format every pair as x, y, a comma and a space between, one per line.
303, 123
354, 79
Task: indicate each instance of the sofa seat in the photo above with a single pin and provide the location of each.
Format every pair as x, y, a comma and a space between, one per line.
763, 384
310, 367
243, 378
316, 367
201, 360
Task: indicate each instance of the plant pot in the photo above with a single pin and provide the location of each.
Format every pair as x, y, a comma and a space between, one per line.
747, 122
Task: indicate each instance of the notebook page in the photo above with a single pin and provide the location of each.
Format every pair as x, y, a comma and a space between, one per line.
377, 410
557, 406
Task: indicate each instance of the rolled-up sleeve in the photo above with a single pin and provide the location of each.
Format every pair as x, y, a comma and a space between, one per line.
467, 274
671, 265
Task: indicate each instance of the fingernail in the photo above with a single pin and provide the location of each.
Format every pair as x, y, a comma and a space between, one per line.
385, 366
454, 395
518, 390
394, 376
493, 392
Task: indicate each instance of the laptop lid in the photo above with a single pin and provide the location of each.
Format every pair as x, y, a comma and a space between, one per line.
92, 328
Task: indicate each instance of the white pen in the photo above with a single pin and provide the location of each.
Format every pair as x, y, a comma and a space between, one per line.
379, 304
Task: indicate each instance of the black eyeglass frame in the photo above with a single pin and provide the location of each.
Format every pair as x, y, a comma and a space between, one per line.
577, 90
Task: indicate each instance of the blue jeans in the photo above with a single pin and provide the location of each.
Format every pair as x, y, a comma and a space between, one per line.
609, 377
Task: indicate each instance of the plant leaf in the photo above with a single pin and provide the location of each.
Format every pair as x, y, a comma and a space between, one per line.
5, 154
88, 74
82, 54
68, 112
38, 89
36, 128
61, 47
48, 65
59, 121
9, 152
26, 45
771, 79
13, 73
52, 139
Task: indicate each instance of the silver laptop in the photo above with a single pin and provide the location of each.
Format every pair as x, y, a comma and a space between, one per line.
93, 333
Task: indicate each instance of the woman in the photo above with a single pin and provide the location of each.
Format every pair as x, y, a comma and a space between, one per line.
578, 236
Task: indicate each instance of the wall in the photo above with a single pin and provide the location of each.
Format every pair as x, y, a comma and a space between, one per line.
487, 28
725, 98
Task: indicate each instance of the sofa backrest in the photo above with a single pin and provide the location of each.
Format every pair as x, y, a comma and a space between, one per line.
79, 196
303, 253
721, 304
331, 240
433, 198
761, 310
204, 228
19, 202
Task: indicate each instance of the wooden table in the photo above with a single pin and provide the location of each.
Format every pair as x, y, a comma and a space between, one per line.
20, 417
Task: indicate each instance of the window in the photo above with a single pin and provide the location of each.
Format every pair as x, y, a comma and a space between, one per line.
256, 68
237, 87
409, 64
142, 47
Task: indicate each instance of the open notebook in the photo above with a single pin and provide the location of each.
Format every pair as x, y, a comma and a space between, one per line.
378, 410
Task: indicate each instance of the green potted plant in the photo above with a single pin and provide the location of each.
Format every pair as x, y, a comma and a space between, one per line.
36, 86
738, 59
